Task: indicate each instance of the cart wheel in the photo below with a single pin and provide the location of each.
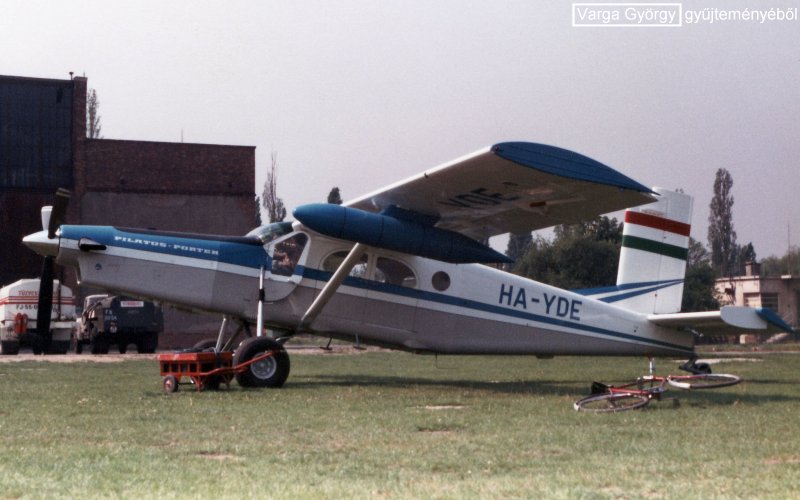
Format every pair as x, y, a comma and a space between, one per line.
269, 372
170, 384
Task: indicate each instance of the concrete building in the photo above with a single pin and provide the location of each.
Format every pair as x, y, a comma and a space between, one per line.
779, 293
172, 186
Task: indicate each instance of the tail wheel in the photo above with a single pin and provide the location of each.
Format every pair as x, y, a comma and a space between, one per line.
271, 371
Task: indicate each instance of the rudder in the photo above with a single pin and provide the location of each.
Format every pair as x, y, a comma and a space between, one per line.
655, 246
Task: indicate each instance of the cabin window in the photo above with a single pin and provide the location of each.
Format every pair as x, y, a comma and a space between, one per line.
441, 281
334, 260
394, 272
287, 254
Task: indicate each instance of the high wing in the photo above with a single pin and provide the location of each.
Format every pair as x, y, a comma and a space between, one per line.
510, 187
759, 320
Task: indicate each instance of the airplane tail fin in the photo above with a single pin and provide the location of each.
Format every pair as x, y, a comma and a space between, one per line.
652, 265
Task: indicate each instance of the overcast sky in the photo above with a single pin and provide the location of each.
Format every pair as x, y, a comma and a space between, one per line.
359, 94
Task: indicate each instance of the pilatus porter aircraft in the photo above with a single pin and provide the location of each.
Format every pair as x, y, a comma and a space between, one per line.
405, 267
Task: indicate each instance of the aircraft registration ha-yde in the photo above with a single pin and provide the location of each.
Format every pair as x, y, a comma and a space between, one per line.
404, 267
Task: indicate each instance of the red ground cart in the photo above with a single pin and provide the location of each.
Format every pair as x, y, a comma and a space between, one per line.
205, 369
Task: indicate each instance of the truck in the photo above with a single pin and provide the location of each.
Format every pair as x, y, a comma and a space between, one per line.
109, 320
19, 305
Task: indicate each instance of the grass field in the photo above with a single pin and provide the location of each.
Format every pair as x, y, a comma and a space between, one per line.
396, 425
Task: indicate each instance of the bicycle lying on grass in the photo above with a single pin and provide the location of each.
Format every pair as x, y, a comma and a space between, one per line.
608, 399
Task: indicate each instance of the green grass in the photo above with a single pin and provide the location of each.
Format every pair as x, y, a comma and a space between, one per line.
395, 425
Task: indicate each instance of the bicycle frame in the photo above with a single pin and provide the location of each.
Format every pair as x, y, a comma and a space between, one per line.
609, 399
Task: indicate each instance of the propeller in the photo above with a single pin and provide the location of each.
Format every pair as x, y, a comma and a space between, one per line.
52, 217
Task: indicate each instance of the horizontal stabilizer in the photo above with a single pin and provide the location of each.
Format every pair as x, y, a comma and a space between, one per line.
761, 320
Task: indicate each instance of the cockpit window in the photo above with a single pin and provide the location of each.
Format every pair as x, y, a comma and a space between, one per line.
287, 254
269, 232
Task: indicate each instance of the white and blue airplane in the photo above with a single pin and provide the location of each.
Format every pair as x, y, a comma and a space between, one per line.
404, 267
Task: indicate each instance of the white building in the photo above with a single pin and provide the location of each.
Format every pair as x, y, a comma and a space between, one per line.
779, 293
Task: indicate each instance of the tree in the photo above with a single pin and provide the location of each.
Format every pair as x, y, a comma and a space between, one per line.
583, 255
269, 198
93, 126
743, 254
335, 197
258, 210
699, 292
721, 236
788, 264
518, 244
539, 262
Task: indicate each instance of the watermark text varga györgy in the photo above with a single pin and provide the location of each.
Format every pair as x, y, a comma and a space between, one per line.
671, 15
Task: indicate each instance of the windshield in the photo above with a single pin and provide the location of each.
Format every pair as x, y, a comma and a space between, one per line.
269, 232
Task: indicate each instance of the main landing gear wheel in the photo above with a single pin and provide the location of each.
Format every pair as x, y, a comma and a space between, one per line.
271, 371
705, 381
611, 402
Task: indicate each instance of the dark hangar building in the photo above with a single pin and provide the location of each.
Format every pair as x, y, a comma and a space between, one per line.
165, 185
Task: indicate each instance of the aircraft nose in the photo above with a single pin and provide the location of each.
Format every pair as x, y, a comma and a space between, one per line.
41, 244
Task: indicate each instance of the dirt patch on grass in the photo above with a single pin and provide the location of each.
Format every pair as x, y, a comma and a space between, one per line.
75, 358
791, 459
116, 358
220, 457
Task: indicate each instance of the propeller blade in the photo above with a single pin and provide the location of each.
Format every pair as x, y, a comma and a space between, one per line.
59, 211
45, 302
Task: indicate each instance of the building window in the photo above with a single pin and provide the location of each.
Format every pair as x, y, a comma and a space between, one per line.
797, 308
770, 300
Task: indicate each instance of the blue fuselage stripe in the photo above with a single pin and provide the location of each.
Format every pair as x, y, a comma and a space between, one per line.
228, 252
440, 298
630, 289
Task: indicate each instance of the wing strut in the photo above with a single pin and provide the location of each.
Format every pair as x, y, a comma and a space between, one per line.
332, 285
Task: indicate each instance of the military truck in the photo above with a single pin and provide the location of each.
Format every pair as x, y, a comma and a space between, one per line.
19, 306
115, 320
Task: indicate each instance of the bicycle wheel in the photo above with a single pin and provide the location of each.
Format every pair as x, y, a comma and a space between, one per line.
703, 381
611, 402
